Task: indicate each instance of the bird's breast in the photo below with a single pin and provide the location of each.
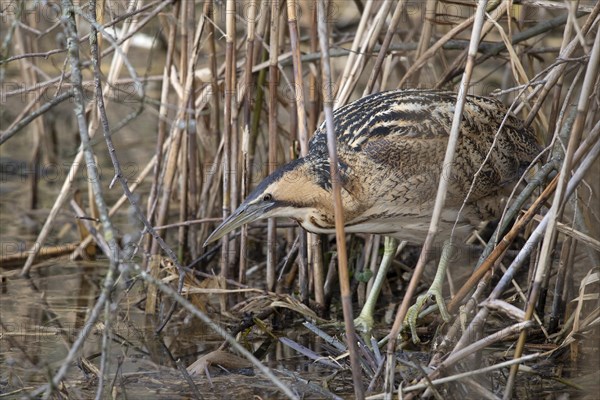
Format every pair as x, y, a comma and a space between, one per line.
315, 222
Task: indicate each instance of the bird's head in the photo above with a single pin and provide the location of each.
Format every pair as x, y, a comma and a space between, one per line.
295, 190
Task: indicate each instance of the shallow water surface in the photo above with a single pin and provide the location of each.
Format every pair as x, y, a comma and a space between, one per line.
43, 315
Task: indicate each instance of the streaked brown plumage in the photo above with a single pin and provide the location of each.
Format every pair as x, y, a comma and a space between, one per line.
391, 146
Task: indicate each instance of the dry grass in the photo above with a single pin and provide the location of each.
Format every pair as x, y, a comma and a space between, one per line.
197, 101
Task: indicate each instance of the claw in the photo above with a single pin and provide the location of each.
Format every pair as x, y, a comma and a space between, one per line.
435, 291
364, 323
414, 311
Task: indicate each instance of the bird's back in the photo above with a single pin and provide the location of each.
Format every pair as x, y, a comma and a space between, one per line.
391, 147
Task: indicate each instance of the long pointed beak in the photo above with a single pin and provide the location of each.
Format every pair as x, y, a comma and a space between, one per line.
244, 214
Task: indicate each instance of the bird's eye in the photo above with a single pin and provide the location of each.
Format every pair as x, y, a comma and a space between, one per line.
268, 197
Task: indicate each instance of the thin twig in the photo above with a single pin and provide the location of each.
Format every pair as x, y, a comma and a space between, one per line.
32, 116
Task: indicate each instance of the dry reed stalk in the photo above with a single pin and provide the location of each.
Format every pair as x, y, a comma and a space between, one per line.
187, 22
193, 189
555, 74
189, 54
313, 242
29, 76
357, 66
44, 253
301, 123
344, 275
234, 135
552, 124
246, 131
187, 157
229, 159
298, 77
211, 154
230, 69
384, 46
261, 52
428, 18
566, 259
360, 30
272, 141
314, 109
184, 166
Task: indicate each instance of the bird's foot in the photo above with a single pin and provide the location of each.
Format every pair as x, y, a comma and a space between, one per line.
364, 323
414, 311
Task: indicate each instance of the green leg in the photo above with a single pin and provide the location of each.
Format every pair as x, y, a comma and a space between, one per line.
364, 322
435, 291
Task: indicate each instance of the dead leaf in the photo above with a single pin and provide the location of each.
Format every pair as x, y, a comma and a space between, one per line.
218, 357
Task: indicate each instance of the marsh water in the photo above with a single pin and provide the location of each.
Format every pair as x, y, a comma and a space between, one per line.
43, 315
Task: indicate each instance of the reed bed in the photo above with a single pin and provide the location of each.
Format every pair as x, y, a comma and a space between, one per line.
185, 105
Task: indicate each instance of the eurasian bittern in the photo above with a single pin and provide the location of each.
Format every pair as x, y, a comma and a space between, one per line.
391, 146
